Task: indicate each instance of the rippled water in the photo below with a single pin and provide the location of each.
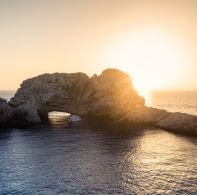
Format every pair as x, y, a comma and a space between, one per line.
86, 159
89, 158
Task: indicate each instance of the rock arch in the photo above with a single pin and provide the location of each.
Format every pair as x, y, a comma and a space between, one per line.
110, 93
74, 93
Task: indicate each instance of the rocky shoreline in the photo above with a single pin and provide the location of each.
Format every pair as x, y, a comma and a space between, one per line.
110, 94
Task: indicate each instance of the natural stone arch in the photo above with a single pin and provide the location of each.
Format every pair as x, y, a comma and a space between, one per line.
109, 94
75, 93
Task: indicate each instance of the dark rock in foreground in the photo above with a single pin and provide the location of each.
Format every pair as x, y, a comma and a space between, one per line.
110, 94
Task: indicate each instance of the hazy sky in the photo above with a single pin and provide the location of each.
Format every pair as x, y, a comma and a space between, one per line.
154, 41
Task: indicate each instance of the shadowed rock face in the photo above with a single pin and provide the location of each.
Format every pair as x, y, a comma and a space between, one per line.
109, 94
6, 111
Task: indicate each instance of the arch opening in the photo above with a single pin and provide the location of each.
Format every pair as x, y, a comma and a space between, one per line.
62, 119
56, 118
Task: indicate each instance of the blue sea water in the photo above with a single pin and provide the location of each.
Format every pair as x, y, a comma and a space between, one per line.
88, 158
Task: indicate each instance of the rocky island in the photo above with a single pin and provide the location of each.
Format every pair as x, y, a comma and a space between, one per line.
110, 94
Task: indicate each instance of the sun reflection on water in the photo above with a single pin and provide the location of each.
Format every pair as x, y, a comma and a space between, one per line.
58, 119
158, 161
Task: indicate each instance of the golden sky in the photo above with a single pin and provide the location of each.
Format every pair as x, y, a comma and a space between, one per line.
154, 41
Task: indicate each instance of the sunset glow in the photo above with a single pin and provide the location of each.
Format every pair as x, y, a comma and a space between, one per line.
98, 97
153, 59
154, 42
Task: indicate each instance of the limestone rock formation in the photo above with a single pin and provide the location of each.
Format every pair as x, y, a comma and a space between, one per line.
176, 122
179, 122
74, 93
109, 94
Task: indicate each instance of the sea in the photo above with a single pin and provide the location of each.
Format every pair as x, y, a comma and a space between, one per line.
87, 157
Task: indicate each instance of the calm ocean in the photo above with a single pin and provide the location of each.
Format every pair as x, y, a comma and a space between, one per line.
86, 158
174, 101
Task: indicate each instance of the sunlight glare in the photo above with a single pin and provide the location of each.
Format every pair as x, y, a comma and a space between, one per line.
153, 59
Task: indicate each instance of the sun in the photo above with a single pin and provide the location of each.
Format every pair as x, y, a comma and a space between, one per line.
152, 58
